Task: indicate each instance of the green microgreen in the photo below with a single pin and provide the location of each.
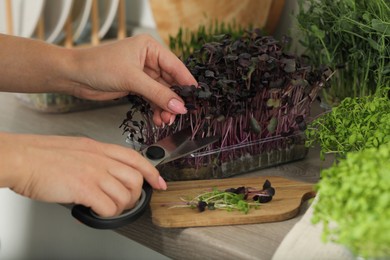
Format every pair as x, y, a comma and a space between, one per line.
355, 124
352, 37
354, 202
185, 41
241, 199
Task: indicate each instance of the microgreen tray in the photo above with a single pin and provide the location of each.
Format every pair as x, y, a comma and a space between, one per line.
237, 159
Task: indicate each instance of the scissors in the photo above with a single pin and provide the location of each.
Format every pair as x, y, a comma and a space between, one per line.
166, 150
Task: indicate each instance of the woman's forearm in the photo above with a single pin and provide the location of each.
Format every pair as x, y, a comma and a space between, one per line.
34, 66
8, 160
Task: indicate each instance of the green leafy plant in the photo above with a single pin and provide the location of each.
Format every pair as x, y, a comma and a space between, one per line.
352, 37
354, 202
354, 195
355, 124
185, 42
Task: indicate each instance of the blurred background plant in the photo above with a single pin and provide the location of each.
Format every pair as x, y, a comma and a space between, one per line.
186, 41
354, 200
352, 37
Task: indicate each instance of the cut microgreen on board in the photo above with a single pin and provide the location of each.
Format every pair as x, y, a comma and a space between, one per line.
241, 199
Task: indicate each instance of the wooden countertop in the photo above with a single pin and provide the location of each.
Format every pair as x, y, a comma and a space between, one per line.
255, 241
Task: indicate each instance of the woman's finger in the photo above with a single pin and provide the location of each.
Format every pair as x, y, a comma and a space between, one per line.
160, 95
136, 161
123, 197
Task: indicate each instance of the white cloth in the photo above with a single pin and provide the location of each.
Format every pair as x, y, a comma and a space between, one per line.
304, 242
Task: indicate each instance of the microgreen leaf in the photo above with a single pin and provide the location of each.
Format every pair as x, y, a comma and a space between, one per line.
353, 34
354, 201
249, 89
356, 124
230, 199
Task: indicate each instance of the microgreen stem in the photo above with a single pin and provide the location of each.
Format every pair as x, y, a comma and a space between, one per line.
249, 90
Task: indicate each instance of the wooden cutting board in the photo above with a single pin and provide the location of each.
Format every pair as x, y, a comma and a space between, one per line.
285, 204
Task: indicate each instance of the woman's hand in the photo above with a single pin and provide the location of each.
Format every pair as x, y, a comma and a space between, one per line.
137, 65
108, 178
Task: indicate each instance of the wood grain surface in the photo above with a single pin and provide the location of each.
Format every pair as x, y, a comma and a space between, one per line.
284, 205
170, 15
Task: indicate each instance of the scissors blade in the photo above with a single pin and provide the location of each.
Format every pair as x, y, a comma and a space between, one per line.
172, 142
175, 146
189, 147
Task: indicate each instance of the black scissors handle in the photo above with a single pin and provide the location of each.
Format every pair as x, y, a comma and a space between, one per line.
172, 147
86, 216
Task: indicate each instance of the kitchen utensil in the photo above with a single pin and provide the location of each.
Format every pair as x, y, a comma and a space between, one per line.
23, 16
168, 149
80, 13
55, 15
107, 13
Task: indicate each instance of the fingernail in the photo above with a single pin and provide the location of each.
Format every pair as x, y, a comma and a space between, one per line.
177, 106
162, 183
172, 119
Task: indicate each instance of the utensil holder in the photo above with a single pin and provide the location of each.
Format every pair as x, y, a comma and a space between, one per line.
68, 30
